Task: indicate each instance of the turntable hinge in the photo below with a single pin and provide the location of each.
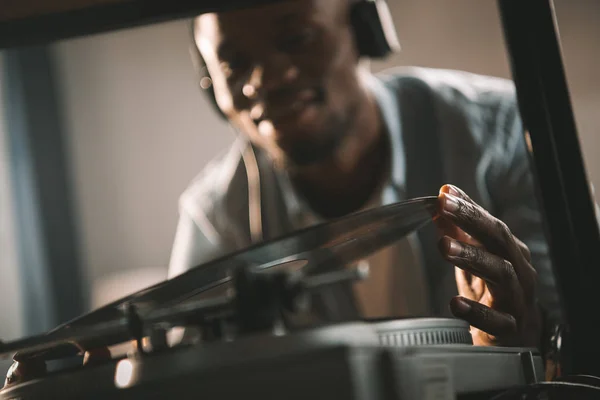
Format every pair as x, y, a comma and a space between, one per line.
528, 364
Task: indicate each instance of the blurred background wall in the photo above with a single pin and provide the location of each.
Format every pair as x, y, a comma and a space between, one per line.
139, 129
11, 319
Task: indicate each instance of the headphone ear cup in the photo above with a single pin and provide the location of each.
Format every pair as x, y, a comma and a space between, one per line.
373, 28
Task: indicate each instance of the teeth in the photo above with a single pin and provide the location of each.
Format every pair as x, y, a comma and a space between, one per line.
302, 100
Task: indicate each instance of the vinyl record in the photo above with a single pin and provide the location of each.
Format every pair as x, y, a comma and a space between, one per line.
317, 249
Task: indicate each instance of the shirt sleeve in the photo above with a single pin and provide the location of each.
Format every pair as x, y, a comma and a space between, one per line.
511, 184
196, 242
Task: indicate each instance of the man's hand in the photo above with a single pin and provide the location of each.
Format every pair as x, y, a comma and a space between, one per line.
495, 279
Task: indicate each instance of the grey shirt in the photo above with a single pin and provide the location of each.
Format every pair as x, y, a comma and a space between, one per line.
444, 126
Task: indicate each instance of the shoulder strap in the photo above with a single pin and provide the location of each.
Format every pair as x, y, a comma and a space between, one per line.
424, 175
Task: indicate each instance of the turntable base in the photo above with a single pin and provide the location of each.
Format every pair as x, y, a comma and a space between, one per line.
352, 361
249, 348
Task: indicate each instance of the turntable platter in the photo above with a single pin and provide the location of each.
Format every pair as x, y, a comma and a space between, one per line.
236, 302
316, 249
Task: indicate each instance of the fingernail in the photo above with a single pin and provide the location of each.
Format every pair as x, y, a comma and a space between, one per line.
450, 189
451, 203
453, 191
454, 248
461, 306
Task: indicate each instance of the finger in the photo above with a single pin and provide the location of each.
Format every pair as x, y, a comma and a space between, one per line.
455, 191
463, 283
445, 227
475, 221
524, 249
497, 272
493, 234
468, 285
491, 321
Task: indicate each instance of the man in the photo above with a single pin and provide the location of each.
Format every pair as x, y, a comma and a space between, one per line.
320, 138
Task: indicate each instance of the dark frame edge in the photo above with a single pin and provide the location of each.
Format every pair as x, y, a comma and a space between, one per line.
563, 187
45, 29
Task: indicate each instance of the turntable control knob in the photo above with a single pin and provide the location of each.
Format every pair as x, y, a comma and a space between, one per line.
21, 372
423, 332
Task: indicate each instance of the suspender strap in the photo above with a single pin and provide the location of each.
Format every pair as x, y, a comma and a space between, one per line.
424, 174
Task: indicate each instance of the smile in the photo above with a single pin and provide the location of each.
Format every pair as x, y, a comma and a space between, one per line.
299, 109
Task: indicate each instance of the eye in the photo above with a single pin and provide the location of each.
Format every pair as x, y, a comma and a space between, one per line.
298, 41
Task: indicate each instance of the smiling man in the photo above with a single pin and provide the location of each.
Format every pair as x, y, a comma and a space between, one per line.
321, 137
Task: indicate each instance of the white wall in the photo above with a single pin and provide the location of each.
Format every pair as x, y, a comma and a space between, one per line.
140, 130
466, 35
11, 315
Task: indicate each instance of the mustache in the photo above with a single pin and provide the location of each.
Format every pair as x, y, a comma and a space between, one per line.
282, 101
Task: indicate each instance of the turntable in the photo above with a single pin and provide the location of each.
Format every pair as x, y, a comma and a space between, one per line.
260, 324
250, 340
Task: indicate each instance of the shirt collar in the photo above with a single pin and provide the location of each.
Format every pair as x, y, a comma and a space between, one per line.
389, 106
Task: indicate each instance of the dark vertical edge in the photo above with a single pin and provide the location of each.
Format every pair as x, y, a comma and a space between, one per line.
32, 263
93, 19
49, 250
537, 67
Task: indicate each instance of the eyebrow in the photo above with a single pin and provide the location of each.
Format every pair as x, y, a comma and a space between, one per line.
225, 48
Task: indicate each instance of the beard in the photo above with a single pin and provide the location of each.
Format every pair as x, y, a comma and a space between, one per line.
318, 148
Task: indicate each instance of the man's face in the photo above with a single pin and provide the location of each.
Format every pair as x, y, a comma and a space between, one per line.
285, 74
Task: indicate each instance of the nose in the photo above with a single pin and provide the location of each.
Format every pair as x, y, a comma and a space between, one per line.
276, 72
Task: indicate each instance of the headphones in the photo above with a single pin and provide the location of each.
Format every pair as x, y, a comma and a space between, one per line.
371, 23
